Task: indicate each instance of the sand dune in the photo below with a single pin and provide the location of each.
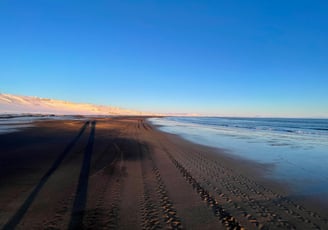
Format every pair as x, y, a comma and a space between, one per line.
27, 104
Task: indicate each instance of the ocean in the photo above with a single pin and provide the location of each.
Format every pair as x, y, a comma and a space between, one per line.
297, 149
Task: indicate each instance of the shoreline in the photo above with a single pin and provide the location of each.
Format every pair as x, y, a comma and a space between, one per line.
138, 177
257, 170
295, 152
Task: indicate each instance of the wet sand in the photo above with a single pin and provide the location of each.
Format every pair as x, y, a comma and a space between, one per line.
122, 173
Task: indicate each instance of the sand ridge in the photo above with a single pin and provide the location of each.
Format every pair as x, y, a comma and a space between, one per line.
122, 173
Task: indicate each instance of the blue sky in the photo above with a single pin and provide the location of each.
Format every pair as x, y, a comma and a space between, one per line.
240, 58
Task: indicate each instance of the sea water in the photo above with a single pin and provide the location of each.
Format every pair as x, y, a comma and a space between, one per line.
296, 148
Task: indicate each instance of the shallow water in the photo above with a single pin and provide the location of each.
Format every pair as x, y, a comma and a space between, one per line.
15, 123
298, 148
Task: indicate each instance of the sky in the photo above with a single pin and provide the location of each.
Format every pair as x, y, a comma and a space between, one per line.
228, 58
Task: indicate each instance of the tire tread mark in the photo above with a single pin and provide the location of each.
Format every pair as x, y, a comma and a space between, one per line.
77, 214
18, 216
169, 213
225, 217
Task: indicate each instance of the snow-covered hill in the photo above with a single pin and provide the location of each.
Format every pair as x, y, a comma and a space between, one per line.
13, 104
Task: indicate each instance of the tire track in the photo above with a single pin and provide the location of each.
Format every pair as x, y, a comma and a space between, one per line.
114, 193
156, 203
156, 198
271, 210
17, 217
224, 192
229, 193
149, 206
100, 183
76, 221
95, 218
281, 204
225, 217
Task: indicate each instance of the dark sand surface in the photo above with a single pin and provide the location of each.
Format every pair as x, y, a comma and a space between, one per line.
122, 173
